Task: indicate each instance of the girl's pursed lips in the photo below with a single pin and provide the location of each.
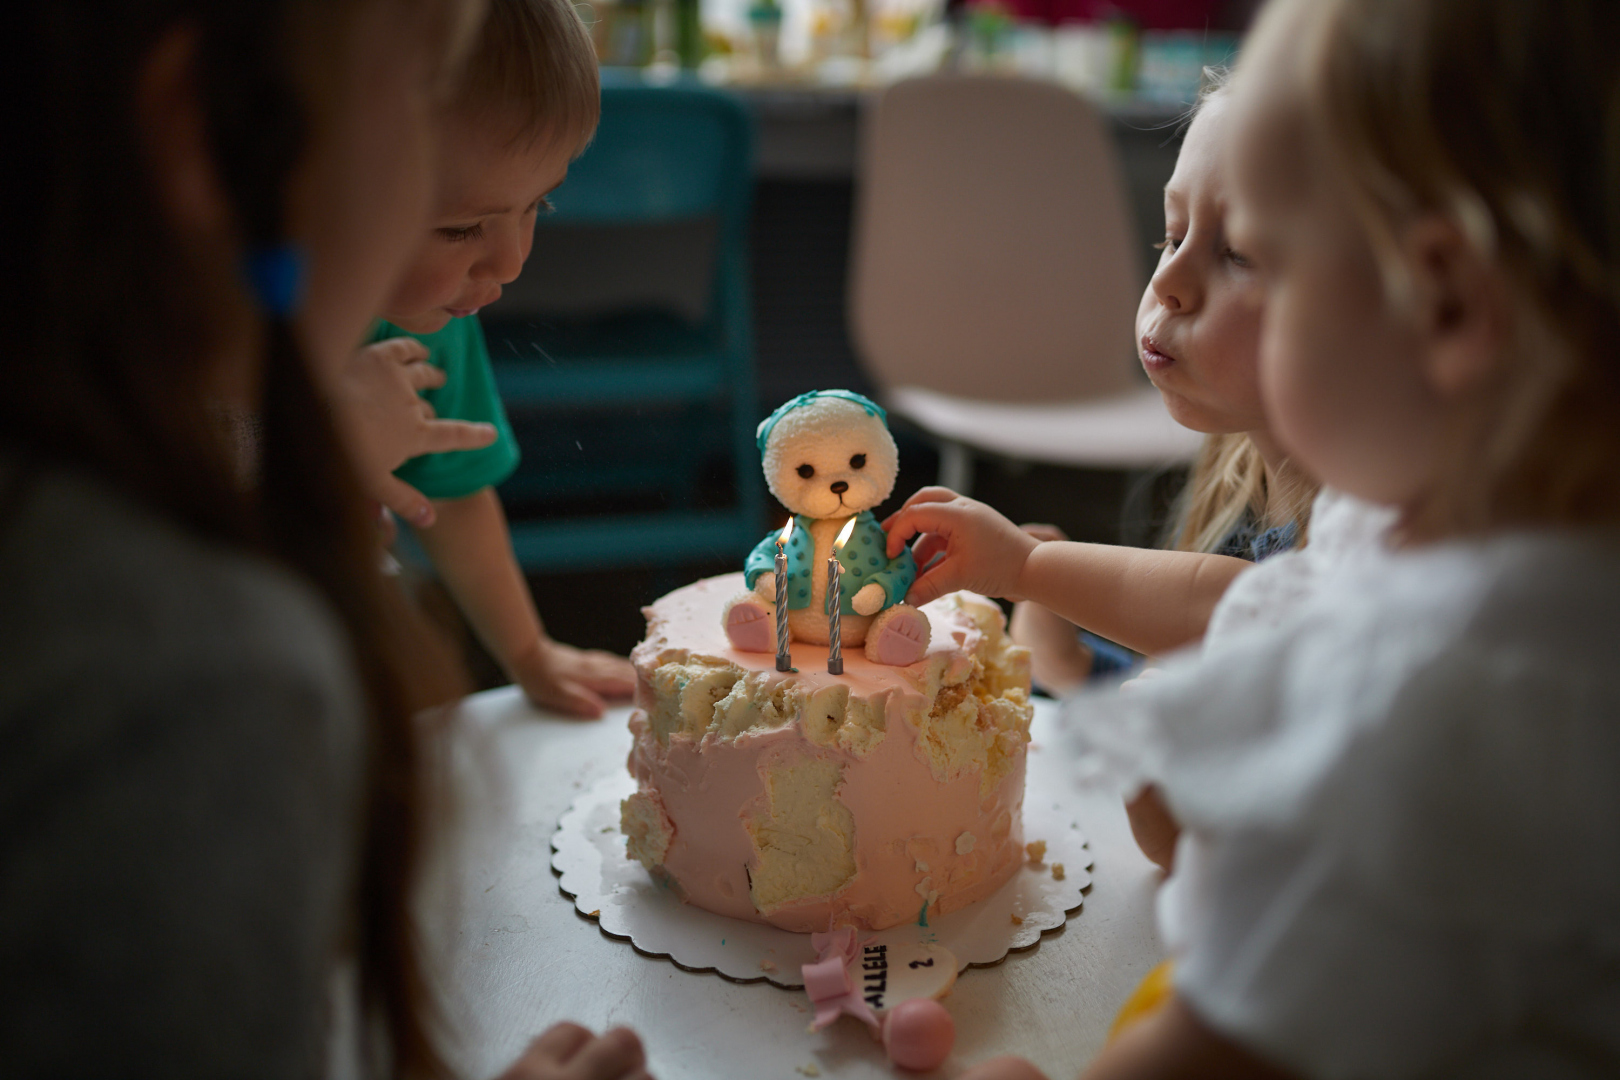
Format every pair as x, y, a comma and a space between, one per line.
1153, 355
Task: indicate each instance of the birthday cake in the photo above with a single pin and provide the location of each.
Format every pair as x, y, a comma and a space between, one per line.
808, 800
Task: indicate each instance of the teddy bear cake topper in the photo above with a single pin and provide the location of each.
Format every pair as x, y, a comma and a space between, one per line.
829, 458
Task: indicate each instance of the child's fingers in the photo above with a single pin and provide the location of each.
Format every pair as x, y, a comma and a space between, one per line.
609, 675
408, 503
424, 376
927, 546
1008, 1067
400, 350
446, 435
922, 518
932, 493
570, 698
921, 497
610, 1057
547, 1054
934, 583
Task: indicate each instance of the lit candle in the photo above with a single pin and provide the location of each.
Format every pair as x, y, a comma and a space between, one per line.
784, 660
835, 646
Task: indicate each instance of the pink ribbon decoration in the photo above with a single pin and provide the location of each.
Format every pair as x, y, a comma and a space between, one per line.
828, 981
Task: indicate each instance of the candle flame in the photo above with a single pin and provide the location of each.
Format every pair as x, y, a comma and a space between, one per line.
787, 531
844, 534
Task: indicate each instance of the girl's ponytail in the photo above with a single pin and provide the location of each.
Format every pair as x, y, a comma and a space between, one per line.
311, 515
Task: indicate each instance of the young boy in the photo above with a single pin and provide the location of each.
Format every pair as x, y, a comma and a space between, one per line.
525, 106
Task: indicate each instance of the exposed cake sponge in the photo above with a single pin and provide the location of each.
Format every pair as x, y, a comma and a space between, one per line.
646, 827
981, 720
804, 839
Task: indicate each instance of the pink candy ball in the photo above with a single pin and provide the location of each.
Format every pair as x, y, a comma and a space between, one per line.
919, 1034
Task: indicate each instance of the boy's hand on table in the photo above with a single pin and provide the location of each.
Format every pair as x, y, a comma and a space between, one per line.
578, 682
387, 423
963, 544
569, 1052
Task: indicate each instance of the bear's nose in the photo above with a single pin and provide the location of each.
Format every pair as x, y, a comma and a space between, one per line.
840, 486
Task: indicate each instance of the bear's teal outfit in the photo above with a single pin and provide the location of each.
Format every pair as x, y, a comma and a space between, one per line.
468, 393
863, 559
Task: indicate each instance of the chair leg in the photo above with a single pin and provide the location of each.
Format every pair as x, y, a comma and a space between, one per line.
956, 467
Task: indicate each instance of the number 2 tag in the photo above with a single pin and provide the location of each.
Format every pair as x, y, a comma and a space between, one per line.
889, 974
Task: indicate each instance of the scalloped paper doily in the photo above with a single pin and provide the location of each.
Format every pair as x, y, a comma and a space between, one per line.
588, 855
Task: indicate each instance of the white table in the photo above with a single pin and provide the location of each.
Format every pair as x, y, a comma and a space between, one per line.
521, 958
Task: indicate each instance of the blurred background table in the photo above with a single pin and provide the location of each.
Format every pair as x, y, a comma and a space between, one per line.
522, 958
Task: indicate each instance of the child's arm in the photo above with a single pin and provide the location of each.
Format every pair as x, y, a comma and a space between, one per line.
1058, 659
472, 549
1174, 1044
1148, 600
1153, 826
386, 423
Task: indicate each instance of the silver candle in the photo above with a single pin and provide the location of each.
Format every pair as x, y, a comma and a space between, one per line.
835, 644
784, 657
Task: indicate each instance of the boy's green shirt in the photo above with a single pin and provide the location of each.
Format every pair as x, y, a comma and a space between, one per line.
468, 393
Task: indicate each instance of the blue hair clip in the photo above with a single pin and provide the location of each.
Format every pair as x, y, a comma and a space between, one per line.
763, 432
276, 276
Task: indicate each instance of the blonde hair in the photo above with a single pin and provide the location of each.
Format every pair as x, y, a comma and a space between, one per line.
533, 68
1505, 118
1229, 484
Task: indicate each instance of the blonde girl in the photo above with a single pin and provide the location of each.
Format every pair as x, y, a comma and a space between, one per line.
1197, 334
1402, 843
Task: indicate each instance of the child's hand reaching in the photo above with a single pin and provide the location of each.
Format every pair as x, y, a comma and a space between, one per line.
569, 1052
578, 682
387, 423
970, 545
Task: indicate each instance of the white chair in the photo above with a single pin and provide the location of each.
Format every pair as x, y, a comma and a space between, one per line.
995, 278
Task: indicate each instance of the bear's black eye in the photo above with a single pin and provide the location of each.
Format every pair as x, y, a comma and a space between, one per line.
858, 461
807, 471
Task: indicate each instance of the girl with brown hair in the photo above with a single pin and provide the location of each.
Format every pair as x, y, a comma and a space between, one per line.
211, 797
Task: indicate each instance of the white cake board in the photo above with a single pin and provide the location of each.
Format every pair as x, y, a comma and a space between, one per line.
588, 854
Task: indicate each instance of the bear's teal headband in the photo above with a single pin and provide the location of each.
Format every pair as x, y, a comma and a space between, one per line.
763, 433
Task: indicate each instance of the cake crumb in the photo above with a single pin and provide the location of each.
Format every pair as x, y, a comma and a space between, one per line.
965, 843
1057, 871
595, 913
922, 867
767, 965
1016, 921
808, 1070
607, 828
1036, 850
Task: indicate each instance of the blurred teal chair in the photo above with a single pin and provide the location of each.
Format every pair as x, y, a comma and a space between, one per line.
628, 406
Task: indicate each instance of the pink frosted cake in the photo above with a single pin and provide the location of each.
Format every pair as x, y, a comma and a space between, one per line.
808, 800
